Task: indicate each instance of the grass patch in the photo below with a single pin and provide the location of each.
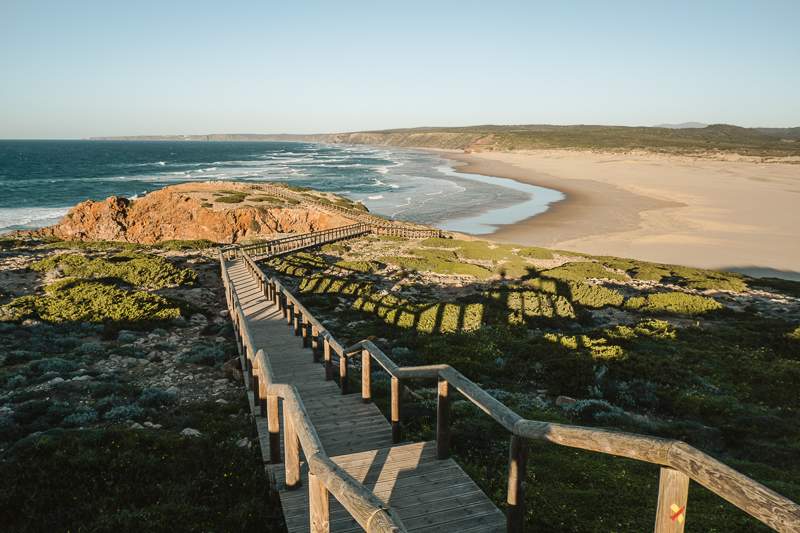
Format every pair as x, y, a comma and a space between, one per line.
423, 317
137, 269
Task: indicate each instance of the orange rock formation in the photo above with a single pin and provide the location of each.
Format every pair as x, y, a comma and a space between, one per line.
177, 213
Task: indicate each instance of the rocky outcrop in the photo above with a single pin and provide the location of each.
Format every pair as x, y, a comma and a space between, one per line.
180, 213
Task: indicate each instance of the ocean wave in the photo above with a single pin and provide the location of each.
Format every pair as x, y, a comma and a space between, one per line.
28, 218
393, 186
379, 197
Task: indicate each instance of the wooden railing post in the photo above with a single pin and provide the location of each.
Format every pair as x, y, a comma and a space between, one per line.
274, 427
319, 505
289, 309
443, 421
315, 344
328, 363
517, 472
366, 377
304, 331
343, 374
291, 444
673, 493
397, 410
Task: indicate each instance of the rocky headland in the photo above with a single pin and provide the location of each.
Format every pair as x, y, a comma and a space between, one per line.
221, 212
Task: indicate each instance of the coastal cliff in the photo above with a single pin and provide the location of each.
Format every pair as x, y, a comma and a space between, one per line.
185, 212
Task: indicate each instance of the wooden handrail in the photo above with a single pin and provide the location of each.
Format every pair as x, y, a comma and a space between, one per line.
366, 508
680, 461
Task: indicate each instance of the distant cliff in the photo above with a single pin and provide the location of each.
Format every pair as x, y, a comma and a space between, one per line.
184, 212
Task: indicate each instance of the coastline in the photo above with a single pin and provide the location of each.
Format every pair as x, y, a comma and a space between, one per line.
728, 215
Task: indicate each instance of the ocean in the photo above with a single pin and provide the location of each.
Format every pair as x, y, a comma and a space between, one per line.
42, 180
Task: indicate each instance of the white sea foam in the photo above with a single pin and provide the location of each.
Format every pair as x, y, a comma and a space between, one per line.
393, 186
28, 218
379, 197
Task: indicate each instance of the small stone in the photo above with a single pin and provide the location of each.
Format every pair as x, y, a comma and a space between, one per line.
562, 400
173, 390
57, 380
224, 313
136, 425
231, 365
221, 401
81, 378
198, 319
189, 432
222, 381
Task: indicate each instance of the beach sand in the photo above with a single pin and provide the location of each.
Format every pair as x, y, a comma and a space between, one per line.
729, 215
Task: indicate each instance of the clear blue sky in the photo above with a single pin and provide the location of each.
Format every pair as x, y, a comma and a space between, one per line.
75, 69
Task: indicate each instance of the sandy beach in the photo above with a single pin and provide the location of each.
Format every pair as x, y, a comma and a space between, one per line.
730, 215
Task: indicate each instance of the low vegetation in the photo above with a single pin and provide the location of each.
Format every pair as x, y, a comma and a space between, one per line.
670, 363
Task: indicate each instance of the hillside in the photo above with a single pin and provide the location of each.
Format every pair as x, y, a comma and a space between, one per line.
699, 141
108, 342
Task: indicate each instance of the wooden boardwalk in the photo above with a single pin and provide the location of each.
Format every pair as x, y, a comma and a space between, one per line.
428, 494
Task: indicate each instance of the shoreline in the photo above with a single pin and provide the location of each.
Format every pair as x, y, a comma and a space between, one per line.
726, 215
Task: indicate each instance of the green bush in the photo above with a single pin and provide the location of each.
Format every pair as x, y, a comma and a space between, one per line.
593, 296
301, 264
86, 301
214, 355
155, 397
333, 249
514, 269
358, 266
524, 303
326, 284
423, 317
535, 253
235, 198
580, 271
678, 303
142, 270
182, 245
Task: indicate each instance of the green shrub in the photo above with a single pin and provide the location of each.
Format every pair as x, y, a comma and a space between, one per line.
255, 226
527, 303
235, 198
535, 253
580, 271
358, 266
326, 284
209, 355
392, 238
678, 303
423, 317
514, 269
55, 364
155, 397
334, 249
86, 301
593, 296
182, 245
142, 270
300, 264
438, 242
